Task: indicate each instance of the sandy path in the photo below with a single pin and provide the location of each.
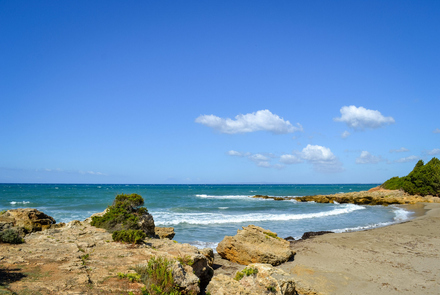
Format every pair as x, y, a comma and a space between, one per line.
398, 259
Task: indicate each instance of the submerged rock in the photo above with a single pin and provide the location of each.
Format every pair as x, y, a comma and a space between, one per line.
311, 234
254, 244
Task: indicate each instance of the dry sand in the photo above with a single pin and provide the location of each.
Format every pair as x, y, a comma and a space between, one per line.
398, 259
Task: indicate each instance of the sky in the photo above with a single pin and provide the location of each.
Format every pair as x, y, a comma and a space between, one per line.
186, 92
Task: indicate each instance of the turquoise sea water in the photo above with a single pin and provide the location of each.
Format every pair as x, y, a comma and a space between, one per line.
203, 214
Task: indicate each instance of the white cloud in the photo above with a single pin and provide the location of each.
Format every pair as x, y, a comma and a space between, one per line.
367, 158
235, 153
345, 134
290, 159
433, 152
322, 158
408, 159
260, 120
436, 130
361, 118
58, 170
258, 158
401, 150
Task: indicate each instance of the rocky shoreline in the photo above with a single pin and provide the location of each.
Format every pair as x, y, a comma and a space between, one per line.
374, 196
78, 258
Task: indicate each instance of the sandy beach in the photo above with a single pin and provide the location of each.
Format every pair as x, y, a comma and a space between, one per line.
398, 259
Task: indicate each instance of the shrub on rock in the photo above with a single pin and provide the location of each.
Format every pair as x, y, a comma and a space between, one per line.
126, 214
128, 236
10, 236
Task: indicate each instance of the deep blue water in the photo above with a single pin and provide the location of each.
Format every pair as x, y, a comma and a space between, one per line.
203, 214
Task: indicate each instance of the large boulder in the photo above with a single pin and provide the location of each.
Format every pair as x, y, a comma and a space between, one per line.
257, 279
26, 219
254, 244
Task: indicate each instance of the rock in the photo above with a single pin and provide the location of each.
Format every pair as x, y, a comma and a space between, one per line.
290, 238
146, 223
164, 232
311, 234
254, 244
266, 280
224, 285
26, 220
209, 254
200, 261
185, 279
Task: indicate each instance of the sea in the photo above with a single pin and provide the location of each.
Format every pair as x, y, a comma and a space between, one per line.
203, 214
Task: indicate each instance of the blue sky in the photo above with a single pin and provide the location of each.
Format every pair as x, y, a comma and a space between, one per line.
217, 91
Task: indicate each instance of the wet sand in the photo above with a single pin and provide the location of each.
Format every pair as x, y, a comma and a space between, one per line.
398, 259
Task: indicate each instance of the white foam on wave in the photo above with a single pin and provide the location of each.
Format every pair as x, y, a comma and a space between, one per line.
223, 208
222, 197
400, 215
165, 218
202, 245
15, 203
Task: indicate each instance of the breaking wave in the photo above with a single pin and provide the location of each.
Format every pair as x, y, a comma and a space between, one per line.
165, 218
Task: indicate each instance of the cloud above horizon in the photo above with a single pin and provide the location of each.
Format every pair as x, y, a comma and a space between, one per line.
433, 152
259, 159
407, 159
345, 134
262, 120
321, 158
367, 158
401, 150
437, 130
360, 118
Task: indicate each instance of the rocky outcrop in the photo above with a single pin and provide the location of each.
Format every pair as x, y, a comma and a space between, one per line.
258, 279
26, 220
254, 244
82, 259
146, 224
164, 232
371, 197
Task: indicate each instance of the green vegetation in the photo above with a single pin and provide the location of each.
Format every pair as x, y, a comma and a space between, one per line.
157, 277
422, 180
129, 236
246, 272
122, 218
132, 277
186, 260
272, 235
271, 289
84, 258
3, 212
10, 236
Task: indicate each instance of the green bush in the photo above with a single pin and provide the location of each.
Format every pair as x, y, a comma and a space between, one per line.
394, 183
422, 180
10, 236
245, 272
157, 277
122, 215
128, 236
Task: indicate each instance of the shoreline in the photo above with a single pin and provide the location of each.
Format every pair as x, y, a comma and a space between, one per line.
402, 258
